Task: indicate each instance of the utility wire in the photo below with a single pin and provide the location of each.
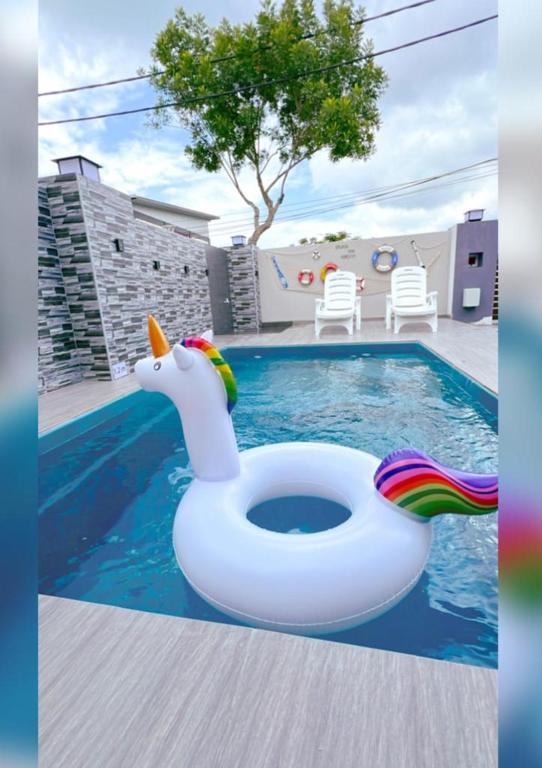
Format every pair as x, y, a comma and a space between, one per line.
371, 195
227, 57
366, 201
252, 86
240, 214
398, 194
323, 209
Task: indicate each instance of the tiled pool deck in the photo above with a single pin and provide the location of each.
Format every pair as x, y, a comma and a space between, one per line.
127, 688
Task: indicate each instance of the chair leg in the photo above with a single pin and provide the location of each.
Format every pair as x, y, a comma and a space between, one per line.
434, 323
396, 324
388, 319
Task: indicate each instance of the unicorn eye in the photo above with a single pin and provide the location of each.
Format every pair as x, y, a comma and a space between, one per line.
157, 366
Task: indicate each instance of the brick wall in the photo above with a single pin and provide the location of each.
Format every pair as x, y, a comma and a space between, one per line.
58, 362
109, 293
129, 287
74, 255
244, 289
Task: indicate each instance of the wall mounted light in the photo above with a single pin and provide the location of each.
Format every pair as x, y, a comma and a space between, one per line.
119, 244
238, 241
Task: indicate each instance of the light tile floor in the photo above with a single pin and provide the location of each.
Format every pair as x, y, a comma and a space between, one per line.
471, 348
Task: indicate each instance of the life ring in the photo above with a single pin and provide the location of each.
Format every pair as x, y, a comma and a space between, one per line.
305, 277
314, 584
329, 267
394, 258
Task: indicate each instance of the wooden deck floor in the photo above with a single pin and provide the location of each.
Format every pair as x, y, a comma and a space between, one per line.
121, 688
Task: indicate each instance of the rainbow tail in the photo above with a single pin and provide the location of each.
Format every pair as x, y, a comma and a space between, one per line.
416, 482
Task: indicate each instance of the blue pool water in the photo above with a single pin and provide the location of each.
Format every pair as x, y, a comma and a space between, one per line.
111, 482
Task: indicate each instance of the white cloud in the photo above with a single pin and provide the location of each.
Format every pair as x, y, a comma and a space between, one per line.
438, 114
420, 139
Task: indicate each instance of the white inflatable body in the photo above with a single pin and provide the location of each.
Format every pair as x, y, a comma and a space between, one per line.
314, 583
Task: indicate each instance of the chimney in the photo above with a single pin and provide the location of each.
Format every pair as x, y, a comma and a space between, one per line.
79, 164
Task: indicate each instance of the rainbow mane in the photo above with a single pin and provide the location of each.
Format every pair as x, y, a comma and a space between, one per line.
221, 366
416, 482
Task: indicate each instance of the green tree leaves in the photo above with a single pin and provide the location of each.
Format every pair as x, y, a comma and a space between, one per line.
280, 112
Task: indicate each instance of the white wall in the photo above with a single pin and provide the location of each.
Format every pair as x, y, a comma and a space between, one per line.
297, 302
192, 223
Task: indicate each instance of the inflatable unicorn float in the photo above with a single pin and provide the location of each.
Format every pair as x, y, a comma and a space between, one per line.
315, 583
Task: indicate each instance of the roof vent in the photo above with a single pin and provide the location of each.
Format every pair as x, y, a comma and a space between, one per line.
79, 164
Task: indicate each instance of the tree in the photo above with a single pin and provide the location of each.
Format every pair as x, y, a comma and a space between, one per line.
330, 237
290, 114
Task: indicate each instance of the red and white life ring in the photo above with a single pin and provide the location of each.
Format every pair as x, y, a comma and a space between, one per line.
305, 277
329, 267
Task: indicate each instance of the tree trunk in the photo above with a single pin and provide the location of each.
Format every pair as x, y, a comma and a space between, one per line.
258, 231
260, 228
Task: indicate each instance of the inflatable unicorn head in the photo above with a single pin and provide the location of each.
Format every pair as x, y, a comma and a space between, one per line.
194, 375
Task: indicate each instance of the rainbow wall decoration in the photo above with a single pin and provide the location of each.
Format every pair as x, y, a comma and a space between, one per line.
220, 365
417, 482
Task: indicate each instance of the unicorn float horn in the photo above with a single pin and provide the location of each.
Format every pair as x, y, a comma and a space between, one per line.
418, 483
200, 383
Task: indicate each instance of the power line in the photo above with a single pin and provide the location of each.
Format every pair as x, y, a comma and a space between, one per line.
398, 194
228, 56
240, 215
366, 201
320, 206
252, 86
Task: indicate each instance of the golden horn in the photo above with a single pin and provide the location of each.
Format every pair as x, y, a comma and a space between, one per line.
159, 343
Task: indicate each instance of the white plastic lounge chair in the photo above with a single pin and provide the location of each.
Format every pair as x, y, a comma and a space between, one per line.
409, 301
339, 303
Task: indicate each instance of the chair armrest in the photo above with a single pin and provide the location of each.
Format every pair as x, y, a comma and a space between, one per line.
319, 303
388, 300
432, 298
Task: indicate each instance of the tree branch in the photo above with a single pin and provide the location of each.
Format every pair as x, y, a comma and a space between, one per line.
230, 173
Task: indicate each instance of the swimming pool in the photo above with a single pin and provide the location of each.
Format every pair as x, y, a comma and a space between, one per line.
110, 483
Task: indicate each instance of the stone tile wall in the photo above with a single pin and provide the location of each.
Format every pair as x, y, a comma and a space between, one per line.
108, 292
244, 289
58, 362
129, 287
73, 250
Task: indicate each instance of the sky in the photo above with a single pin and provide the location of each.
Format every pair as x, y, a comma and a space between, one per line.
438, 113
